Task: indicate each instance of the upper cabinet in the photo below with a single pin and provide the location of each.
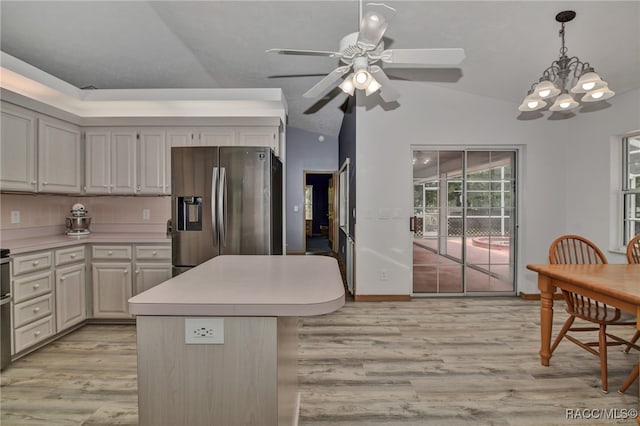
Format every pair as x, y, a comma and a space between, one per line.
18, 149
110, 161
126, 161
45, 158
59, 163
152, 162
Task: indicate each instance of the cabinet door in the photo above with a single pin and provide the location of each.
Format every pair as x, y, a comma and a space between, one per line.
259, 136
217, 136
58, 156
18, 149
152, 162
148, 275
97, 161
111, 289
70, 296
123, 161
176, 137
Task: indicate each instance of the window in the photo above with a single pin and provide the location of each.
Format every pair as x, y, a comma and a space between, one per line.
631, 187
308, 202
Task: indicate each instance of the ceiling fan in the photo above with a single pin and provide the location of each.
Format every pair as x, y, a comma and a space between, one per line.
362, 50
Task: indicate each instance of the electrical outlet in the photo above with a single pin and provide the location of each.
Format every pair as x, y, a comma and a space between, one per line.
204, 331
384, 275
146, 214
15, 216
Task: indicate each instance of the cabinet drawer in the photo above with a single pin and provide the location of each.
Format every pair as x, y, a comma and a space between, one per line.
28, 287
31, 310
69, 255
31, 263
32, 333
153, 252
112, 252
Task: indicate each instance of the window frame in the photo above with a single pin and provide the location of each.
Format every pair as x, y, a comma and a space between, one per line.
627, 192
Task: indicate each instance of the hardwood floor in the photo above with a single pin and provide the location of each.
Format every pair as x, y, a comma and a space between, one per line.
452, 361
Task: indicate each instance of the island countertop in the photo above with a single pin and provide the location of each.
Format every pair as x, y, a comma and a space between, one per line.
279, 286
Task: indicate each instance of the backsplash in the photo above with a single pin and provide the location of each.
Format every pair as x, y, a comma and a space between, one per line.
36, 210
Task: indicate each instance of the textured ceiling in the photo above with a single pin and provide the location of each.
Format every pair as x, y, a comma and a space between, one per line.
221, 44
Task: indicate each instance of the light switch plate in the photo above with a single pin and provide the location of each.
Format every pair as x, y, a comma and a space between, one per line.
204, 331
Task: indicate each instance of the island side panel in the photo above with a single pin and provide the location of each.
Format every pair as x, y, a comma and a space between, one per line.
230, 384
287, 371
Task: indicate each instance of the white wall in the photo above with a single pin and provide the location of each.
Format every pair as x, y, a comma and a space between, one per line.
594, 172
304, 152
439, 117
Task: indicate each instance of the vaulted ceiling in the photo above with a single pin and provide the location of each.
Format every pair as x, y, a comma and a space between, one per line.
221, 44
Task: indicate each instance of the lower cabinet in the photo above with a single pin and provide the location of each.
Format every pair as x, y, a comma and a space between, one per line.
71, 307
149, 275
121, 271
111, 289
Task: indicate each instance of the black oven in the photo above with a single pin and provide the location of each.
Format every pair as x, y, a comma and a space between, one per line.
5, 309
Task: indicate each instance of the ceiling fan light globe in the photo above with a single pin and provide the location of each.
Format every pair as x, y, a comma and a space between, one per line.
361, 79
347, 85
373, 87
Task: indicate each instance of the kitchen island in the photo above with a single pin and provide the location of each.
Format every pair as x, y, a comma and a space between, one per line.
217, 345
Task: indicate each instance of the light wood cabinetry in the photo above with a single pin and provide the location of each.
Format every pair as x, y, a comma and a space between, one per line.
152, 266
117, 275
17, 149
59, 163
111, 289
71, 306
152, 162
110, 161
33, 307
42, 158
126, 161
111, 280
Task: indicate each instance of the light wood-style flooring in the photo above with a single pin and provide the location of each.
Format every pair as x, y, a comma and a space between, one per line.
454, 361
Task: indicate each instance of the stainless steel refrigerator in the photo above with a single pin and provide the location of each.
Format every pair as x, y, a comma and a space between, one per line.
225, 200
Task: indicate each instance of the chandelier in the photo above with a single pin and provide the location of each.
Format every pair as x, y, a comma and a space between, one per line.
562, 73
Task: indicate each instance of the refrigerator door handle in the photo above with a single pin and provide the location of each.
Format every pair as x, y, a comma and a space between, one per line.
214, 186
222, 206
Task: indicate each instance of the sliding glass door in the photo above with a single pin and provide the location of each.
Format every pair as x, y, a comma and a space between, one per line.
464, 222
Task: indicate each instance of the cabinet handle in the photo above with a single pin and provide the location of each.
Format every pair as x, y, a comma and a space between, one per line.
33, 182
137, 271
45, 183
155, 253
36, 310
35, 263
110, 253
105, 185
36, 286
37, 333
73, 255
125, 271
63, 278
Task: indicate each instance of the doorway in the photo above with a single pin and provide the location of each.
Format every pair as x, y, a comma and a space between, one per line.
463, 222
319, 214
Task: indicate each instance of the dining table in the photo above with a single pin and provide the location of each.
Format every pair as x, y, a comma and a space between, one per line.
617, 285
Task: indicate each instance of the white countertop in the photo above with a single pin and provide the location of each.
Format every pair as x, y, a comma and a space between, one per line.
48, 242
248, 286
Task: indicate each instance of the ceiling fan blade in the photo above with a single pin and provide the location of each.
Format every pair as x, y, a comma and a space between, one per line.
327, 82
305, 52
387, 92
374, 23
399, 57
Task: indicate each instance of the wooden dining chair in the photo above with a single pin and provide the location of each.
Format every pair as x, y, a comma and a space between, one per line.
633, 256
574, 249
